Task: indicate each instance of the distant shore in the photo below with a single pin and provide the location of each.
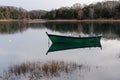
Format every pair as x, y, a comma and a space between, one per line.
24, 20
87, 20
59, 20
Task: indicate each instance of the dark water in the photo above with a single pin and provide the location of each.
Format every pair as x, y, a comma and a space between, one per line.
27, 43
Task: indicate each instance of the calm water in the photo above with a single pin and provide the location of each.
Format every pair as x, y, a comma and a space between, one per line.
22, 42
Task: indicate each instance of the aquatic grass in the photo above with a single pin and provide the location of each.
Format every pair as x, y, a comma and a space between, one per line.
39, 70
19, 69
45, 68
53, 67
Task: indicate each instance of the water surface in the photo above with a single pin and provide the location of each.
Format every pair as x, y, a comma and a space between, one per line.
22, 42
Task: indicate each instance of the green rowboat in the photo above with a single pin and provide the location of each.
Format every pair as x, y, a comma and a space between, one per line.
70, 39
69, 42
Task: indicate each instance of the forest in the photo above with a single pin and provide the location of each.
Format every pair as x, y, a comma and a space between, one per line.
99, 10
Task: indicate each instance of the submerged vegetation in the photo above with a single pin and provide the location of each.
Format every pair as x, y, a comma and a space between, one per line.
40, 70
100, 10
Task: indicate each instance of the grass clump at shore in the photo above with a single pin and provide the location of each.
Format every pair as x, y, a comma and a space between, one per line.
39, 70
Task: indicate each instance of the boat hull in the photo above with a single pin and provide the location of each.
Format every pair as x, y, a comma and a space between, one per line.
67, 39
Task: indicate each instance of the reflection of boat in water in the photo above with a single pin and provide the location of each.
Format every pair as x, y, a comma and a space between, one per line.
66, 46
65, 43
70, 39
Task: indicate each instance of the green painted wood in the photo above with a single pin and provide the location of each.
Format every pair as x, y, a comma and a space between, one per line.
66, 42
69, 39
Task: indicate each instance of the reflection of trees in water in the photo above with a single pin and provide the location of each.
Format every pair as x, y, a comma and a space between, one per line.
108, 30
62, 27
40, 70
18, 27
37, 26
12, 27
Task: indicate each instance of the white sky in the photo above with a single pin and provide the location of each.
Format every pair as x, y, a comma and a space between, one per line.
43, 4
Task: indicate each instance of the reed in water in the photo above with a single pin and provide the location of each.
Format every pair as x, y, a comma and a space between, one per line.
39, 70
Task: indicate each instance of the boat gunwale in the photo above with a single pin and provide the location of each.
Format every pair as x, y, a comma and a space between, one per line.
99, 36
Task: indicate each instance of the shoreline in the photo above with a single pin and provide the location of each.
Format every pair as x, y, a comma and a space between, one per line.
87, 20
24, 20
59, 20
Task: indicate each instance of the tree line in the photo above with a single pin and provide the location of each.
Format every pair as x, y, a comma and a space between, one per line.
100, 10
9, 12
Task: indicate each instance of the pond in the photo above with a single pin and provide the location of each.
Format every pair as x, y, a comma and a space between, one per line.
23, 48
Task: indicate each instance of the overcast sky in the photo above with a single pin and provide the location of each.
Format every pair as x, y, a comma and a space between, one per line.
43, 4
